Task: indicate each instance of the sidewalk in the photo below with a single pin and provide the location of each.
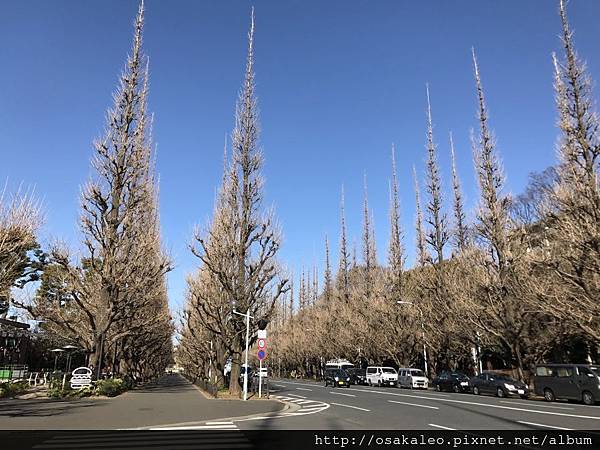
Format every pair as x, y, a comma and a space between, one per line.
172, 399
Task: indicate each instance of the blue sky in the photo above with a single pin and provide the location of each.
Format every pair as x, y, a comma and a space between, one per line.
338, 82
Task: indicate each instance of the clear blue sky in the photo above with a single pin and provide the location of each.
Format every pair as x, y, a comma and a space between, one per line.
338, 82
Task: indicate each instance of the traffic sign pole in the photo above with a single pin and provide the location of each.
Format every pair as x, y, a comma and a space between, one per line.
259, 378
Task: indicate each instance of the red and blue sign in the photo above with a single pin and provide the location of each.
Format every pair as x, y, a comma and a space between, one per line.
262, 354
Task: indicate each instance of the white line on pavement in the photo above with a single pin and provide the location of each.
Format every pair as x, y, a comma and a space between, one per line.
538, 406
440, 426
350, 406
197, 427
219, 423
301, 384
489, 405
341, 393
543, 426
304, 389
295, 395
414, 404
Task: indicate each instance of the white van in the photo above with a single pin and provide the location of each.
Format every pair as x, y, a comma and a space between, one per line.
381, 376
412, 378
339, 364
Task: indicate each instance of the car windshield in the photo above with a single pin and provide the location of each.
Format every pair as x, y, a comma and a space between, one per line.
503, 378
416, 373
339, 373
388, 370
458, 376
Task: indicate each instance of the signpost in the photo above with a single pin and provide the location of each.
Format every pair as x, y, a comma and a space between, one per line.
262, 354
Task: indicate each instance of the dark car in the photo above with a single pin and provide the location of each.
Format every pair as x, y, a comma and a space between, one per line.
357, 376
451, 381
498, 384
336, 377
579, 382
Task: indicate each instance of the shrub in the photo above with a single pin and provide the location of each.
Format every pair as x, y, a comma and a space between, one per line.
111, 387
10, 389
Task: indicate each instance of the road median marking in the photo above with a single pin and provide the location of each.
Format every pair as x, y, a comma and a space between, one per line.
304, 389
441, 427
413, 404
350, 406
543, 426
537, 406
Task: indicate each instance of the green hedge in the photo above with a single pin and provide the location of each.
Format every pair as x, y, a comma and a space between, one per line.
111, 387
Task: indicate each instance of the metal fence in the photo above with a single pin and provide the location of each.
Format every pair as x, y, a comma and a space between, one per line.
13, 372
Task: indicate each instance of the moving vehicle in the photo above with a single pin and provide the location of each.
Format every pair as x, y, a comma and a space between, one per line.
343, 364
579, 382
498, 384
381, 376
412, 378
357, 376
336, 377
451, 381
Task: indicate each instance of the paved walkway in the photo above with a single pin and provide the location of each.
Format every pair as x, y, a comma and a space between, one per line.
170, 400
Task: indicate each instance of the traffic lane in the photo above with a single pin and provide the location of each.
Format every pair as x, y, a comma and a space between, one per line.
521, 412
481, 410
363, 409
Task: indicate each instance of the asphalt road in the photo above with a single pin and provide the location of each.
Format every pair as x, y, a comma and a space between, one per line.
362, 407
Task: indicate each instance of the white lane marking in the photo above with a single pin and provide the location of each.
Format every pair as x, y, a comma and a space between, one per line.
302, 384
537, 406
304, 402
304, 389
350, 406
543, 426
299, 396
489, 405
197, 427
341, 393
440, 426
414, 404
219, 423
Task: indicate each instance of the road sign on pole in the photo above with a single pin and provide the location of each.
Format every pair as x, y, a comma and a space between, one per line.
262, 343
262, 334
262, 354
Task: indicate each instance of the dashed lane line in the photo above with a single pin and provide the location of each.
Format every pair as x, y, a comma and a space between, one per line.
304, 389
350, 406
440, 427
295, 395
413, 404
543, 426
341, 393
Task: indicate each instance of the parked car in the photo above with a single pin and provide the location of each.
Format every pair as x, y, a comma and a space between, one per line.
412, 378
381, 376
451, 381
579, 382
336, 377
498, 384
357, 376
243, 371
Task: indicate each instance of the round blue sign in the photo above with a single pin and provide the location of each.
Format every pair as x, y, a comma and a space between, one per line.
261, 354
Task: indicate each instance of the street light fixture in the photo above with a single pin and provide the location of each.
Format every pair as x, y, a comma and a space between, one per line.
69, 348
422, 329
56, 352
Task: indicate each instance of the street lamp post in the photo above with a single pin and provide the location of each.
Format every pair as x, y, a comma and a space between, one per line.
69, 348
422, 329
56, 351
247, 317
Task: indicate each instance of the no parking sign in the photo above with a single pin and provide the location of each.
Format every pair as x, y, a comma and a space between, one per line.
262, 344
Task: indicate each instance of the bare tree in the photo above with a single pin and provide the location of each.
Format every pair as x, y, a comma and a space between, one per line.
461, 237
574, 224
396, 255
421, 243
243, 256
342, 275
327, 281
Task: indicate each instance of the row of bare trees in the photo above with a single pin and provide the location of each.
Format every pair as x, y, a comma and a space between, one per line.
522, 281
110, 300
